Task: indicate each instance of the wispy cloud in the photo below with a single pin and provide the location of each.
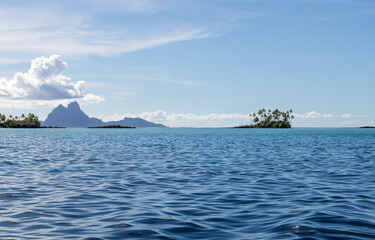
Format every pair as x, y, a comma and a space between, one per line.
11, 60
46, 31
345, 115
348, 115
118, 91
36, 104
312, 114
137, 6
158, 40
236, 15
90, 42
167, 79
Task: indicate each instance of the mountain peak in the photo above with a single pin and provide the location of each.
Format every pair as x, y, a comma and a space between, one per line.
74, 105
60, 107
73, 116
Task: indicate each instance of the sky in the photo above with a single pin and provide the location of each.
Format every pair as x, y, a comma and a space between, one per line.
206, 63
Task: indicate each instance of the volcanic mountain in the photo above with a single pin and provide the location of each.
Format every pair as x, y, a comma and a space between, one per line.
73, 116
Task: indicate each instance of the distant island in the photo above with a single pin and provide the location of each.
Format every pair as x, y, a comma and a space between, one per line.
113, 126
31, 121
270, 119
73, 117
368, 127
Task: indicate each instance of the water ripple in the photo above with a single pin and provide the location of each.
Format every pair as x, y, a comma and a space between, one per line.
187, 184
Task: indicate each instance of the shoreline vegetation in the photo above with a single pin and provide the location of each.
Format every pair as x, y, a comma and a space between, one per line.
31, 121
113, 126
270, 119
261, 119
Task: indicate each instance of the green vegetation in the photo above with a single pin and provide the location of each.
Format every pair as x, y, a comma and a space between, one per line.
113, 126
270, 119
31, 121
368, 127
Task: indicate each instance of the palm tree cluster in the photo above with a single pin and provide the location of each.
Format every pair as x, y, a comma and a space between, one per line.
270, 119
31, 121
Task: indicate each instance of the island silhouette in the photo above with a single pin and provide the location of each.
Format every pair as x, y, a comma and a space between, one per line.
73, 117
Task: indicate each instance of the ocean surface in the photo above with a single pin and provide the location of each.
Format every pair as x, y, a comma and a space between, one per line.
187, 184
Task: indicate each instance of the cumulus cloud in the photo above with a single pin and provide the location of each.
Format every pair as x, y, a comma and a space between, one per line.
43, 82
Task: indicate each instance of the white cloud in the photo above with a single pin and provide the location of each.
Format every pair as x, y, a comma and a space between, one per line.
185, 119
348, 115
90, 99
162, 115
162, 39
84, 43
213, 119
312, 114
42, 83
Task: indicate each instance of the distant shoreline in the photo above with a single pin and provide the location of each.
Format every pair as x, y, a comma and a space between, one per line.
127, 127
112, 126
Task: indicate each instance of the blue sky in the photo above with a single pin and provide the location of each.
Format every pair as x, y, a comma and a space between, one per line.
191, 63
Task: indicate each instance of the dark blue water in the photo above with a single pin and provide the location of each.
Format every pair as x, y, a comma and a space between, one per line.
187, 184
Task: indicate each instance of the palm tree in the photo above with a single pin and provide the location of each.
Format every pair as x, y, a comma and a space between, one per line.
256, 119
271, 119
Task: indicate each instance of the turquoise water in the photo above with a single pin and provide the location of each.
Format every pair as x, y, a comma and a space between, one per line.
187, 184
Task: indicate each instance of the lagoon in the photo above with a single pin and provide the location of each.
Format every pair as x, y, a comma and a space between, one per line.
187, 183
